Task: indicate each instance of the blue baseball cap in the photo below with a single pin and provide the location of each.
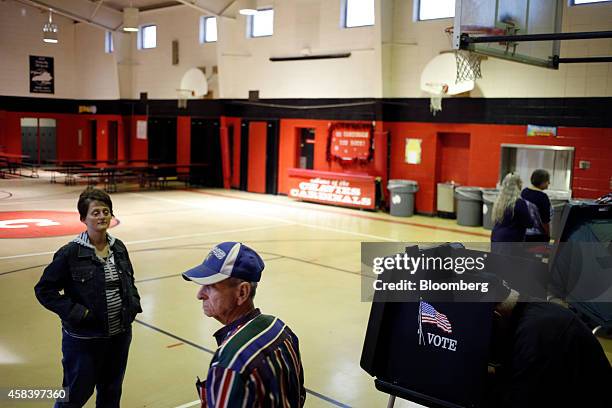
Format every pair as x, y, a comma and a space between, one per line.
227, 260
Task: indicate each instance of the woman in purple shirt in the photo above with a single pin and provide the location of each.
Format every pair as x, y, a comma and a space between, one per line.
510, 215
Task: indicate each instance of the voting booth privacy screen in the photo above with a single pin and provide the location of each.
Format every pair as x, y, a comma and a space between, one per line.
433, 350
581, 263
438, 364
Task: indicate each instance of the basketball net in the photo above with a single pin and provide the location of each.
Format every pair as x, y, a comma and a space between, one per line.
182, 95
436, 93
468, 66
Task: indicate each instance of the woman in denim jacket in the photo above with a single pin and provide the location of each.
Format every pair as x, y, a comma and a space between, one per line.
97, 306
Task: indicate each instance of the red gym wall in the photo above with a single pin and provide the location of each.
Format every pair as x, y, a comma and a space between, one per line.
289, 150
483, 158
67, 127
475, 162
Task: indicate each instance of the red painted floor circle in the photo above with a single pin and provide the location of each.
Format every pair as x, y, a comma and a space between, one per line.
40, 224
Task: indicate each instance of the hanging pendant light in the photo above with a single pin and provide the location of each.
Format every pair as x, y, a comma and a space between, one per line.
130, 19
50, 30
249, 8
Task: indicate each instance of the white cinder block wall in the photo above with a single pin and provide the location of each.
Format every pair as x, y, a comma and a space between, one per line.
20, 37
386, 59
96, 75
153, 71
298, 25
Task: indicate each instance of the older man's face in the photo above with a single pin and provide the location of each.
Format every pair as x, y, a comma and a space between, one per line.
219, 299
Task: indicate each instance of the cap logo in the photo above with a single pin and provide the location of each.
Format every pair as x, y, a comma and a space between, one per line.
218, 252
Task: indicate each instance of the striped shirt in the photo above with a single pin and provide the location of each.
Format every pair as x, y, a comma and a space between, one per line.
112, 283
257, 364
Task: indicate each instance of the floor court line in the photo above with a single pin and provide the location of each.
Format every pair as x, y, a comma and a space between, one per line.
192, 344
145, 241
377, 237
368, 217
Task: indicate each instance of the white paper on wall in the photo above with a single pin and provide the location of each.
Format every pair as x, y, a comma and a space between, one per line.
141, 129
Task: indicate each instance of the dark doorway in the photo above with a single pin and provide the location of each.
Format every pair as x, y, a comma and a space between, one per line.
230, 138
93, 131
29, 138
48, 142
306, 148
206, 148
272, 157
258, 173
113, 142
161, 133
244, 155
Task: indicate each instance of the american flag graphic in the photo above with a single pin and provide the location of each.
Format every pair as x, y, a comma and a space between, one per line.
430, 315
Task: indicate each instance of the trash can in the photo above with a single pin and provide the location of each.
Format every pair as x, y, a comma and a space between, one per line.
402, 197
469, 206
489, 195
557, 206
446, 204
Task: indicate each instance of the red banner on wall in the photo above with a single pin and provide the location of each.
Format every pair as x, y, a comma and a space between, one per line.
332, 188
350, 142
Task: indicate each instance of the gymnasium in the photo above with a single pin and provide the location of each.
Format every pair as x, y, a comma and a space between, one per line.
313, 131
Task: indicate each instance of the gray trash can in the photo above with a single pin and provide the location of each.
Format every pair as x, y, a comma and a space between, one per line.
469, 206
402, 197
557, 206
489, 195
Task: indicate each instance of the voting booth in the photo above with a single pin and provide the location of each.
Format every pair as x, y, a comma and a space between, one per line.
581, 262
432, 351
434, 348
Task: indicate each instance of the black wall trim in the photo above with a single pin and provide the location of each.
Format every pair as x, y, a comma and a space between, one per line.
575, 112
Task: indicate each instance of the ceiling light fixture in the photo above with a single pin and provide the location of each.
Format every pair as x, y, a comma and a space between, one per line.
249, 8
130, 19
50, 30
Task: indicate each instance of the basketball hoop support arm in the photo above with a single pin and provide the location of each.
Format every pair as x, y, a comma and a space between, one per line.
466, 40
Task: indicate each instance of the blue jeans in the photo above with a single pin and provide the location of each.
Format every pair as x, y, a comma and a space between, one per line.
99, 363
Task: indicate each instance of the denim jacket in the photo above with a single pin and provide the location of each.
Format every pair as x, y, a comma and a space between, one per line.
77, 271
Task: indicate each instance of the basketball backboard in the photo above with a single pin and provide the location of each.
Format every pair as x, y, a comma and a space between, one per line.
479, 18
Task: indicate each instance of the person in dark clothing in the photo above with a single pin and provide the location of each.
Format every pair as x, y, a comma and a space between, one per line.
510, 215
90, 285
548, 358
542, 210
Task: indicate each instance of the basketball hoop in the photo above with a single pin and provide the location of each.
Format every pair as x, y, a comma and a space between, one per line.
182, 95
439, 80
436, 92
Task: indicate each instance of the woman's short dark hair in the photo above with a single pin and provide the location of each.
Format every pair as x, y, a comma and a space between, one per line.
539, 177
93, 194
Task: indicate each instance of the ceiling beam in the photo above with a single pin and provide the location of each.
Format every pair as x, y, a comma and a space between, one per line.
194, 4
106, 19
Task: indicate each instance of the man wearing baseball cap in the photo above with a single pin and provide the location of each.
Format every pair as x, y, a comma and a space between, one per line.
258, 359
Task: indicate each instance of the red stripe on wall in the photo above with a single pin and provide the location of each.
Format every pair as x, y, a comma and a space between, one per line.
256, 182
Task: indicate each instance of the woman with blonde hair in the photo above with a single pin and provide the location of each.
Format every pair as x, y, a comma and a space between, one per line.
510, 212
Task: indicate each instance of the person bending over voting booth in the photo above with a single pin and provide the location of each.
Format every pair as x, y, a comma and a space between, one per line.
492, 348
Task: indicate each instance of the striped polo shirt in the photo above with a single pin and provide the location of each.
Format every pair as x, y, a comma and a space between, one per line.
257, 364
112, 283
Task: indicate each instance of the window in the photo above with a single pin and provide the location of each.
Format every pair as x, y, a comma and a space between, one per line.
432, 9
358, 13
208, 29
147, 37
577, 2
109, 47
261, 24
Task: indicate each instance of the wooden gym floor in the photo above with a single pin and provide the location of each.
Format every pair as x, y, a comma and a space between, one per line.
311, 281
